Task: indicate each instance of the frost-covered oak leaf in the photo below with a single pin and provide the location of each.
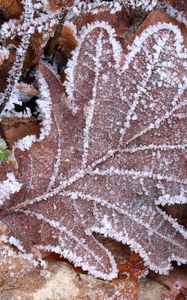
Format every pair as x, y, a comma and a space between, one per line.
112, 158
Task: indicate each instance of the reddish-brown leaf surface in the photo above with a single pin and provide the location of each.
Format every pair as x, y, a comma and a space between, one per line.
133, 267
11, 8
181, 5
108, 156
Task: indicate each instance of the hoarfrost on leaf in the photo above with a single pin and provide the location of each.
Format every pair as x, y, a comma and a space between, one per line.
107, 166
8, 186
87, 7
172, 12
23, 28
144, 4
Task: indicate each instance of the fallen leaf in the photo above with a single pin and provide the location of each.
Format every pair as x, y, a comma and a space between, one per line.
17, 128
134, 267
11, 8
105, 164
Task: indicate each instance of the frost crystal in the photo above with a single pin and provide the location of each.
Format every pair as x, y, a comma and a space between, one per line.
86, 7
145, 4
7, 187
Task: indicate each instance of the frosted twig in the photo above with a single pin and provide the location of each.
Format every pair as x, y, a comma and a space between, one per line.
15, 72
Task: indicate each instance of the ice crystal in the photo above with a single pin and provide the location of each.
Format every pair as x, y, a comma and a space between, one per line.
145, 4
109, 165
8, 186
87, 7
94, 7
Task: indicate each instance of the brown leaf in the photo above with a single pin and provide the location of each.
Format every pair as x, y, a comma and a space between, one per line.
178, 212
67, 39
17, 128
11, 8
107, 164
134, 267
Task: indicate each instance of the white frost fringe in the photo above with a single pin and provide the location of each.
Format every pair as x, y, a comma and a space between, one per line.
45, 111
145, 4
151, 30
8, 186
